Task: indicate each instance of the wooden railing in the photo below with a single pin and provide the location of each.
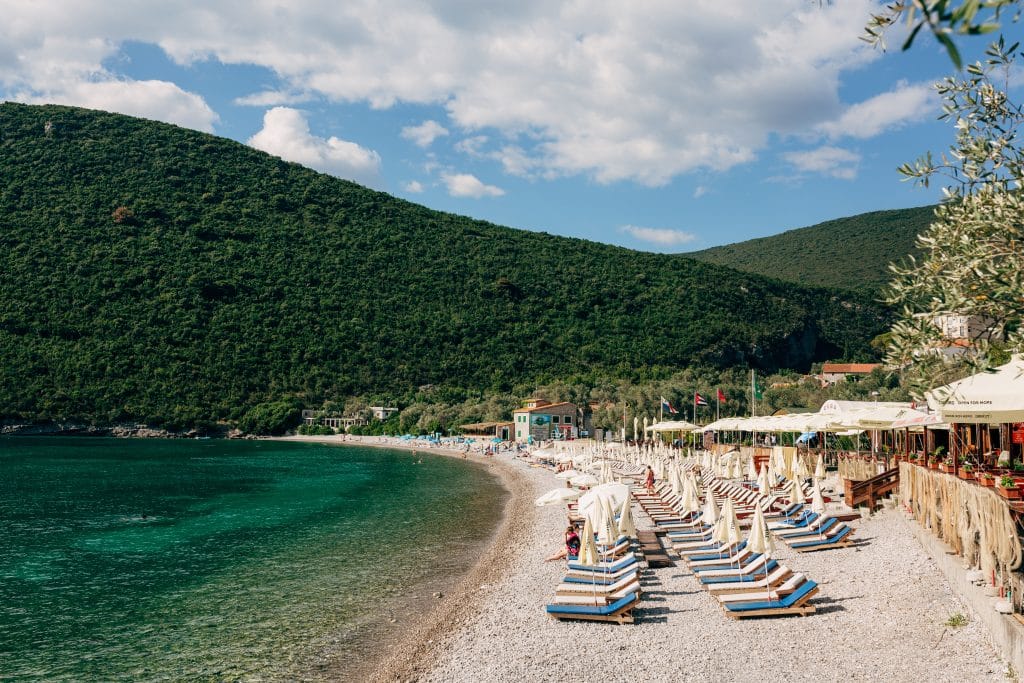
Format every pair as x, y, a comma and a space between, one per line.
871, 491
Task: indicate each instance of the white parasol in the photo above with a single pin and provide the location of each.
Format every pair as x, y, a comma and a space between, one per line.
567, 474
556, 496
819, 469
584, 480
626, 525
588, 549
796, 492
817, 500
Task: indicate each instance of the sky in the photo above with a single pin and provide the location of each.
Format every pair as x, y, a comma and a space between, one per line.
656, 125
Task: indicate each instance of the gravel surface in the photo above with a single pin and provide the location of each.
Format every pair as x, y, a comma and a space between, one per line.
881, 613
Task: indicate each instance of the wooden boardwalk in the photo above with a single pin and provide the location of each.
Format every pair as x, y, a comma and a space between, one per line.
654, 553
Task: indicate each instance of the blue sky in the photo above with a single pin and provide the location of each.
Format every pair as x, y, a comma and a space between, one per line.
659, 126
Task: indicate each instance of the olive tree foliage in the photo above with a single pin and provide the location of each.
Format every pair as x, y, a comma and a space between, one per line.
946, 20
973, 254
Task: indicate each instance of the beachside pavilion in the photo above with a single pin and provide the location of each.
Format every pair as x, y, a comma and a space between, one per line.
956, 464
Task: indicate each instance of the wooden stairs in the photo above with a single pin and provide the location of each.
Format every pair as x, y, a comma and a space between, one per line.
871, 491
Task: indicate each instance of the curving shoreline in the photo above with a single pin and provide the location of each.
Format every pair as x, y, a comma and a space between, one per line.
413, 649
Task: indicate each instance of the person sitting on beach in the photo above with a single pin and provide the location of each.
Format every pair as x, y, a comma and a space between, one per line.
572, 546
649, 479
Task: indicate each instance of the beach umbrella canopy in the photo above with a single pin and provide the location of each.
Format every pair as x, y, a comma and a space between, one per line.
588, 548
616, 493
760, 539
819, 469
584, 480
796, 492
626, 525
607, 533
727, 530
567, 474
555, 496
711, 513
986, 398
817, 500
801, 468
763, 484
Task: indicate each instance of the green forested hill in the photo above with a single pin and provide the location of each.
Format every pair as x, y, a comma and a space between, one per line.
847, 253
153, 273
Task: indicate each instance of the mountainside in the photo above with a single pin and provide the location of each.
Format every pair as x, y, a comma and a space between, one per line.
847, 253
158, 274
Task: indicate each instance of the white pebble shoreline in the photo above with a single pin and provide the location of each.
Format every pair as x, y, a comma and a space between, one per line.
881, 613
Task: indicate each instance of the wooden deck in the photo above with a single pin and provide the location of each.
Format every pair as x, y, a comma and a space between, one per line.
654, 553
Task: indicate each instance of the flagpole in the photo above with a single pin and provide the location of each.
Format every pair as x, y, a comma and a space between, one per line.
753, 393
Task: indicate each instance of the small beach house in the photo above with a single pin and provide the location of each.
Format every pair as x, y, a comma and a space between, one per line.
543, 420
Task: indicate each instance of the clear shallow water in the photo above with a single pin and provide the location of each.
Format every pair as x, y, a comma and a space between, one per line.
161, 560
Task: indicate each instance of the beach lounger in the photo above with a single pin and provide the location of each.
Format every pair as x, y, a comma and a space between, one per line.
596, 578
794, 603
596, 597
721, 553
737, 560
818, 527
799, 521
620, 611
751, 583
603, 567
575, 587
840, 537
756, 563
788, 586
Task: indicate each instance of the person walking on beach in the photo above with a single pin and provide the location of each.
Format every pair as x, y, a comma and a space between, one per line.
649, 479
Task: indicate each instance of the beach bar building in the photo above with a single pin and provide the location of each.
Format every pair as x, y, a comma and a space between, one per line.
541, 420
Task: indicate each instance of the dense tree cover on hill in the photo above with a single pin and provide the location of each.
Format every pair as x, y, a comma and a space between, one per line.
157, 274
847, 253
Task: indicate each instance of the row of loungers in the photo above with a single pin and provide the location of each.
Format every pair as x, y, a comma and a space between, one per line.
748, 584
607, 591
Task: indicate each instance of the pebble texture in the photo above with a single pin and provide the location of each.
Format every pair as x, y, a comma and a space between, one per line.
881, 613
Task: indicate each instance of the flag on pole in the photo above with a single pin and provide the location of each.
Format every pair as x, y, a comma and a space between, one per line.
699, 400
721, 396
667, 407
758, 389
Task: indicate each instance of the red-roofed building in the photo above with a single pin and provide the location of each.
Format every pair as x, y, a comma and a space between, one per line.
831, 373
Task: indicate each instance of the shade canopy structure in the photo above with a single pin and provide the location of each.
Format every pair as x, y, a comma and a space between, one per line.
584, 480
615, 493
567, 474
919, 420
986, 398
874, 417
673, 426
556, 496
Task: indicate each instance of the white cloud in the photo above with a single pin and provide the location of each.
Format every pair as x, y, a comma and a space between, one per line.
285, 133
425, 133
616, 91
889, 110
700, 191
831, 161
665, 237
271, 98
468, 185
158, 100
413, 187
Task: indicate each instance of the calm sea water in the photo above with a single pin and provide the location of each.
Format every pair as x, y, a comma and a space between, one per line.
169, 560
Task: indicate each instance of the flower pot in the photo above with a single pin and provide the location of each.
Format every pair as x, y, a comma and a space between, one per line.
966, 474
933, 465
986, 479
1012, 493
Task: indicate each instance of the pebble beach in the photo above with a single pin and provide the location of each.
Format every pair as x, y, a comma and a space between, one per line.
881, 615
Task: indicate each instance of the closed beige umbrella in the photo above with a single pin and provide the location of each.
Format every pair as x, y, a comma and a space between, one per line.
817, 500
626, 525
760, 541
711, 513
588, 548
796, 492
819, 469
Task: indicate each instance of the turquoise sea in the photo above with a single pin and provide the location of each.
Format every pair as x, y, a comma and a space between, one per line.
222, 560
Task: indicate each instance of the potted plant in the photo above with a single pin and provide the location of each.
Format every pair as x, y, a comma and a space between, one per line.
967, 471
946, 466
986, 479
933, 464
1007, 488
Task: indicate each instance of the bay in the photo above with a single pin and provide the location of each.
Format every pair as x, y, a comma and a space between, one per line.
222, 560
